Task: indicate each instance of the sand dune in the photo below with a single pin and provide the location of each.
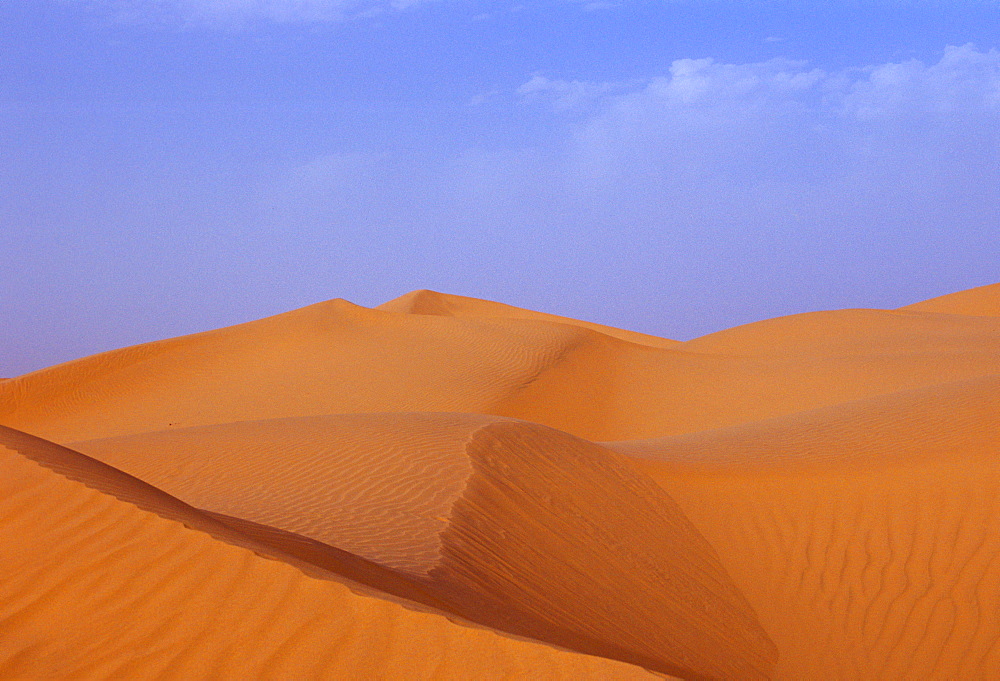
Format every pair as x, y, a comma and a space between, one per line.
93, 587
337, 357
328, 358
426, 302
865, 535
446, 487
506, 522
981, 301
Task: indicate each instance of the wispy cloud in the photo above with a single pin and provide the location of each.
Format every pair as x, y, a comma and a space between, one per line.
566, 95
965, 79
241, 11
704, 113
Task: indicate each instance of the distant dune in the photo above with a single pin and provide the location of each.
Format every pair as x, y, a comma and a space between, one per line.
445, 305
445, 487
983, 301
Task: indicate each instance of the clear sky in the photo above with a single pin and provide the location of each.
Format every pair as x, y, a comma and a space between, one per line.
670, 166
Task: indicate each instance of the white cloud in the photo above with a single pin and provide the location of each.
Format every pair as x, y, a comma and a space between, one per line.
964, 81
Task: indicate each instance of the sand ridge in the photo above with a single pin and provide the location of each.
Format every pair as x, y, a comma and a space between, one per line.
487, 514
340, 358
332, 357
980, 301
92, 587
377, 485
427, 302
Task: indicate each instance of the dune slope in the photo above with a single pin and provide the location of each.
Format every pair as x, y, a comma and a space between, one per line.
91, 586
866, 535
426, 302
328, 358
980, 301
510, 524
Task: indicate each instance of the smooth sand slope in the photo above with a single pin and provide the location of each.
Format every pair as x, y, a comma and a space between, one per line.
983, 301
510, 524
91, 586
865, 535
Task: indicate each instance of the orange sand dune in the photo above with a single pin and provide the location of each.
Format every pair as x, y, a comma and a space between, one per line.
340, 358
511, 524
433, 303
92, 587
865, 535
981, 301
328, 358
852, 333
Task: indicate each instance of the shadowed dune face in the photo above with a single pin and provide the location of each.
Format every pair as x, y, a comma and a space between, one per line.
93, 587
510, 524
866, 535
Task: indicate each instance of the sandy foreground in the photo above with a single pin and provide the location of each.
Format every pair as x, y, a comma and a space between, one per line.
450, 488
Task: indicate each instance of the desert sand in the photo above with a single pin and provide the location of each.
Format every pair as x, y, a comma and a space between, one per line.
445, 487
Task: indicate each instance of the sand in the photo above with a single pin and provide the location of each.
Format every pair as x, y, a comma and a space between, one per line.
872, 527
112, 579
446, 487
983, 301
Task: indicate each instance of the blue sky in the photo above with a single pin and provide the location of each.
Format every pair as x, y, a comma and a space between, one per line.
671, 166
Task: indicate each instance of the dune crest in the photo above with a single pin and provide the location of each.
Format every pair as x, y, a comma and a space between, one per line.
328, 358
335, 357
980, 301
488, 515
93, 587
427, 302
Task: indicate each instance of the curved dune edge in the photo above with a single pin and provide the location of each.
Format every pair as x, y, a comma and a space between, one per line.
533, 531
866, 536
379, 486
93, 587
979, 301
545, 536
425, 302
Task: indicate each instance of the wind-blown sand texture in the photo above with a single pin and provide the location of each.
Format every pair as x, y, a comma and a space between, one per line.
444, 487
